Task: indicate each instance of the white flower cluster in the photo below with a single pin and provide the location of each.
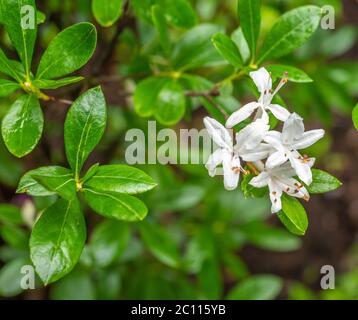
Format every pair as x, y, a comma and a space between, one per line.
273, 153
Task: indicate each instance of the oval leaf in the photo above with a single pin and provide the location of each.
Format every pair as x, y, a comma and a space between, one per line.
107, 12
291, 73
7, 87
68, 51
57, 240
227, 49
323, 182
22, 126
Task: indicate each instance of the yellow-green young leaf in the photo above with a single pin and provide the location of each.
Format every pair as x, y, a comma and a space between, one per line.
107, 12
54, 84
57, 240
293, 215
323, 182
19, 18
291, 73
10, 67
250, 21
10, 214
160, 24
68, 51
59, 180
178, 13
160, 243
258, 287
120, 178
290, 32
227, 49
22, 125
115, 205
7, 87
84, 127
109, 240
355, 116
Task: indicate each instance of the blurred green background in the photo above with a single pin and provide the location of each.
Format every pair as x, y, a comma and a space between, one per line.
199, 241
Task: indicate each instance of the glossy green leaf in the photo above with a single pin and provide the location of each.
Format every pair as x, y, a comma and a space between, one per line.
9, 67
19, 18
57, 240
160, 243
90, 173
194, 49
120, 178
10, 214
290, 32
293, 215
178, 13
250, 21
41, 17
323, 182
160, 24
227, 49
355, 116
22, 125
114, 205
59, 180
258, 287
7, 87
291, 73
107, 12
68, 51
239, 39
109, 239
10, 277
84, 127
54, 84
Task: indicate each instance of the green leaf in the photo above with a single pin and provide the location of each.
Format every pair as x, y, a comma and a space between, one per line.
227, 49
10, 214
355, 116
160, 244
90, 173
108, 242
194, 49
250, 21
9, 67
235, 265
68, 51
260, 287
160, 24
249, 190
22, 28
239, 39
14, 236
32, 187
41, 17
293, 215
54, 84
114, 205
84, 127
57, 240
107, 12
291, 73
120, 178
22, 125
290, 32
59, 180
7, 87
10, 277
178, 13
323, 182
210, 280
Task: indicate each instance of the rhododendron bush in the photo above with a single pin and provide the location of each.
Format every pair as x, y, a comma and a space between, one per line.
97, 205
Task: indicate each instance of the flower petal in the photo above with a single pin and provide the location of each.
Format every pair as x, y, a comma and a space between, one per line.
252, 135
214, 160
276, 159
275, 196
293, 129
218, 133
243, 113
293, 188
283, 171
259, 153
231, 168
273, 138
262, 79
279, 112
303, 170
308, 138
261, 180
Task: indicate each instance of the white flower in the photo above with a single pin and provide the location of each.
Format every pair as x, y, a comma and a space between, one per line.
286, 144
248, 148
280, 179
263, 83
